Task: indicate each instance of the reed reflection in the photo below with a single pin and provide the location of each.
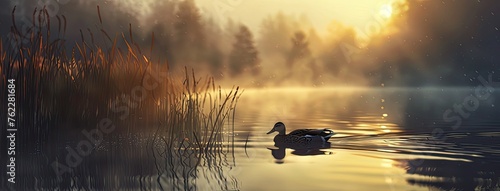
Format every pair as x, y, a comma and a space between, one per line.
182, 165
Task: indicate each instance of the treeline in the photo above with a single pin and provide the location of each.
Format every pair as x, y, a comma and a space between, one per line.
283, 50
413, 49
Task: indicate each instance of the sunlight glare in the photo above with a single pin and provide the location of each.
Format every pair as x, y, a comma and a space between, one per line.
387, 163
355, 14
386, 11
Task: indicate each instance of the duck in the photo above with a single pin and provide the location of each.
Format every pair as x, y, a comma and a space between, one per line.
300, 138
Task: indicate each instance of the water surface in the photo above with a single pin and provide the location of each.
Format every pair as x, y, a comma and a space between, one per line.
387, 139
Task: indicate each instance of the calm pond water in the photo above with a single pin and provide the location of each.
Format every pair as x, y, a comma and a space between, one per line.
387, 139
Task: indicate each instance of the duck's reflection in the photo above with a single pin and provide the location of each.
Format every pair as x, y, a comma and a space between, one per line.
311, 152
279, 151
278, 154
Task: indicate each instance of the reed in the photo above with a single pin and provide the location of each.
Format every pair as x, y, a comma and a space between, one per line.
63, 89
196, 112
197, 117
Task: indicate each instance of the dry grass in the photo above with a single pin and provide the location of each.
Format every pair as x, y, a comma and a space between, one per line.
63, 89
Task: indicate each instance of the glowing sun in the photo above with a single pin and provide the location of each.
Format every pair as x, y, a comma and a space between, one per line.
386, 11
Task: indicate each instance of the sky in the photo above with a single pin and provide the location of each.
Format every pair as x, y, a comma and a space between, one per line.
320, 13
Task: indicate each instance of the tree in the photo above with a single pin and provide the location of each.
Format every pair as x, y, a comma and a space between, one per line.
274, 35
244, 55
190, 40
162, 17
300, 48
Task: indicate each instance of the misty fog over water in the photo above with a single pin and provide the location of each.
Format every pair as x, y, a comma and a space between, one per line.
179, 95
398, 43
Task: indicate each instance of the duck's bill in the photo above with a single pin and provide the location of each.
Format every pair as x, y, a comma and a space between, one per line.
270, 132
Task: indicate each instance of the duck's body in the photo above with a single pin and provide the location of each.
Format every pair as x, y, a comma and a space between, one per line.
323, 133
301, 137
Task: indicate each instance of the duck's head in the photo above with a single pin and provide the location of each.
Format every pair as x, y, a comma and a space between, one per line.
279, 127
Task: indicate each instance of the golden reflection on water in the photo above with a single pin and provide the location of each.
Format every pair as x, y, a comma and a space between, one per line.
377, 146
341, 170
371, 149
347, 111
353, 108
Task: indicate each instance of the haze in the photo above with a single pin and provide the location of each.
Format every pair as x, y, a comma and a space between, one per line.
320, 12
260, 43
